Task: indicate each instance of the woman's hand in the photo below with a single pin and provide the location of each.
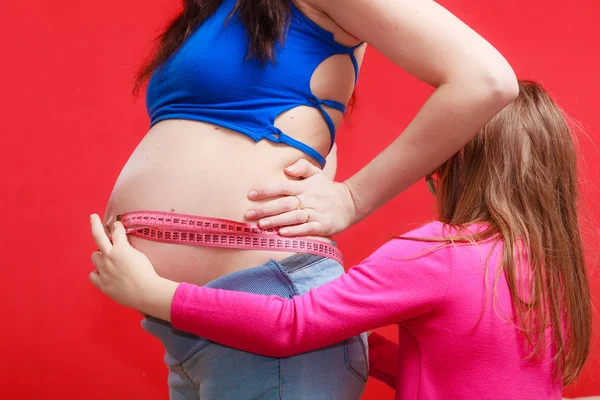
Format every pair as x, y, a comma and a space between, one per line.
126, 275
314, 205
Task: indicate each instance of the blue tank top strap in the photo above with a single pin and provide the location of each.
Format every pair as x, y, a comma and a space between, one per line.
350, 52
336, 105
276, 135
299, 15
318, 103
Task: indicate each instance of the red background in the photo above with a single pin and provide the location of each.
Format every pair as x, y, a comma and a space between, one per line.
70, 123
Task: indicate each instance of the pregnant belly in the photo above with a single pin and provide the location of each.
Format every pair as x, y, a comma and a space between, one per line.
195, 168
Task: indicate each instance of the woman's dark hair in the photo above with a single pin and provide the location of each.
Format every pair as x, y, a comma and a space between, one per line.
265, 21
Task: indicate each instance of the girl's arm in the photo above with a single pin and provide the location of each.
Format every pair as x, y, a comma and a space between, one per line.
398, 282
473, 83
381, 290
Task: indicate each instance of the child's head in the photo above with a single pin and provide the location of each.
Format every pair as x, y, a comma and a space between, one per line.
522, 161
519, 176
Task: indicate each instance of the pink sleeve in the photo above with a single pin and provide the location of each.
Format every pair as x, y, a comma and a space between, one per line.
383, 359
381, 290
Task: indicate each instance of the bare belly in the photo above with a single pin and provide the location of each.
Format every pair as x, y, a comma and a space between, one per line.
196, 168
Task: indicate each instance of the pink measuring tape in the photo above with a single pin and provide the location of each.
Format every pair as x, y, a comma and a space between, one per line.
214, 232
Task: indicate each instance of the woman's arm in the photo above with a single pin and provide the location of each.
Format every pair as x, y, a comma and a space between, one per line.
385, 288
473, 83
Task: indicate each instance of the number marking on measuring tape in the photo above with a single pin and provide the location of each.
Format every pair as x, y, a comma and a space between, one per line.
216, 232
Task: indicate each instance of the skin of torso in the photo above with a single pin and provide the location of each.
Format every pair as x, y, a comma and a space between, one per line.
201, 169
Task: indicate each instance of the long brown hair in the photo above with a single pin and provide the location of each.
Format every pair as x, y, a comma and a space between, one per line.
518, 176
264, 20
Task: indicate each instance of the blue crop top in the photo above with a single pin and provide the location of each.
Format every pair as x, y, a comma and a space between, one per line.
209, 79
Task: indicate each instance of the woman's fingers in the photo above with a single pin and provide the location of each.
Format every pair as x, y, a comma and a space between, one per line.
99, 235
285, 188
273, 207
289, 218
312, 228
302, 169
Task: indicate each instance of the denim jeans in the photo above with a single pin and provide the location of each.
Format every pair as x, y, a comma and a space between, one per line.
200, 369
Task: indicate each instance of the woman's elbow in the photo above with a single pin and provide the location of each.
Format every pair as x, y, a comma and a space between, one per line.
497, 84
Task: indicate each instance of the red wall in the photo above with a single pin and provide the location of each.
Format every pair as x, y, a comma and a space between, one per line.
70, 125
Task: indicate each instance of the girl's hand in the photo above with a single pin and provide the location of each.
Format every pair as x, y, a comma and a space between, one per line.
126, 275
314, 205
